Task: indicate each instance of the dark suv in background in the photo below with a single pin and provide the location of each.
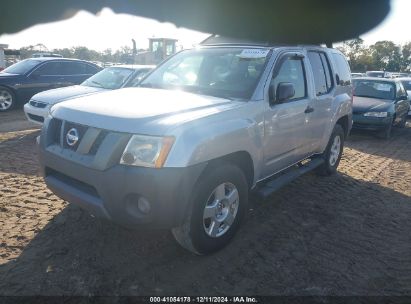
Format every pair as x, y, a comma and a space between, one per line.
19, 82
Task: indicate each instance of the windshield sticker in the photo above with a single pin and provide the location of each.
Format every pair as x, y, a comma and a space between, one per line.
254, 53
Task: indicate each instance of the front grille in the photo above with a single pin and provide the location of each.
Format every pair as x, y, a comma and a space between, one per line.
54, 131
97, 143
89, 138
38, 104
75, 183
36, 117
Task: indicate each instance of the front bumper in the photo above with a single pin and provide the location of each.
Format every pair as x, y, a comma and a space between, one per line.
35, 115
113, 193
370, 123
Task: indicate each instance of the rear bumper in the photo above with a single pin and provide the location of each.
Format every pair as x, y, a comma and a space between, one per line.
113, 193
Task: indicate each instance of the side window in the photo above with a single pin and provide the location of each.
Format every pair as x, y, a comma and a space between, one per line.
319, 73
48, 69
89, 69
73, 68
291, 70
400, 90
343, 70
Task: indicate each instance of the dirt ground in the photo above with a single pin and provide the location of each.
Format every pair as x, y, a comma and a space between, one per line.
349, 234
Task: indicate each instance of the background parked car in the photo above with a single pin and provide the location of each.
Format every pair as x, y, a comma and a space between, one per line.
20, 81
378, 74
406, 82
111, 78
356, 75
379, 104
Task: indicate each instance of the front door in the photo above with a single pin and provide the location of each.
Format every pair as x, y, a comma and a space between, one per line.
285, 132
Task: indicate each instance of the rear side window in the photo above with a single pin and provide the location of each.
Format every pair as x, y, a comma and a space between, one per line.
74, 68
343, 70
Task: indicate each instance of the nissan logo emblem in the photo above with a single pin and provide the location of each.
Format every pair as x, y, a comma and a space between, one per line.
72, 137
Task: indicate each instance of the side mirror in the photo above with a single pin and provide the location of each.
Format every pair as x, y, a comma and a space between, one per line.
285, 91
402, 97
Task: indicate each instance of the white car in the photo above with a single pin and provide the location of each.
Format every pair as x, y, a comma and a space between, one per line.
111, 78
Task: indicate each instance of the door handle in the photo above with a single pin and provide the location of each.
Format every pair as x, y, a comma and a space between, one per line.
309, 110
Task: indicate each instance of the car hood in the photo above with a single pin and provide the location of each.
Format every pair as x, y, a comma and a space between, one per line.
58, 95
140, 110
366, 104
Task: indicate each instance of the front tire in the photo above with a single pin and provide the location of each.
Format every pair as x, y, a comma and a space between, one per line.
333, 152
218, 204
7, 99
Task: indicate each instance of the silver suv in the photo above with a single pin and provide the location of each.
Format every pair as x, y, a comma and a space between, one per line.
184, 149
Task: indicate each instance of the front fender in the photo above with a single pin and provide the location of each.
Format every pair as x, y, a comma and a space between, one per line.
216, 139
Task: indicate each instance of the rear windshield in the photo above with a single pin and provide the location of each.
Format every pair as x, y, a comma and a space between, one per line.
22, 67
374, 89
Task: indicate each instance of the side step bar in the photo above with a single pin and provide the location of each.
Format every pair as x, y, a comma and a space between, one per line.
278, 181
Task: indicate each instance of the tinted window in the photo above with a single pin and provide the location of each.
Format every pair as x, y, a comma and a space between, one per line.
90, 69
343, 70
22, 67
291, 70
319, 73
49, 68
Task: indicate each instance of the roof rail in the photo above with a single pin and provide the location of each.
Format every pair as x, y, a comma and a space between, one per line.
220, 40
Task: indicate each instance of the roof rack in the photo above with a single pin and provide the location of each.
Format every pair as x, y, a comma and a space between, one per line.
221, 40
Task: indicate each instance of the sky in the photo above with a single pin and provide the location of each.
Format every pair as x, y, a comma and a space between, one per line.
110, 30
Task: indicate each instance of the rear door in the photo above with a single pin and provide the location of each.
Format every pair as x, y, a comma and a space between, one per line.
318, 122
76, 72
285, 133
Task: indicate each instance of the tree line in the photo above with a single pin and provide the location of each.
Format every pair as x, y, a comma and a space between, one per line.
122, 55
381, 56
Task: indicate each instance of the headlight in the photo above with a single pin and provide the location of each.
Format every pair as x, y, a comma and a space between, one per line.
147, 151
376, 114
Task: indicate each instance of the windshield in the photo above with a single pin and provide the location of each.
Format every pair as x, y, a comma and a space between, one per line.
374, 89
223, 72
406, 84
109, 78
22, 67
